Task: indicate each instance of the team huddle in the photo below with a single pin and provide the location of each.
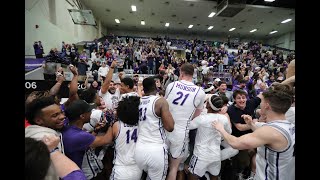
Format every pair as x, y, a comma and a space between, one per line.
151, 133
162, 133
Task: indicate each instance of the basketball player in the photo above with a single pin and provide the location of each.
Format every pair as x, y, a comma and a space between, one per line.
185, 101
151, 152
274, 140
125, 134
207, 154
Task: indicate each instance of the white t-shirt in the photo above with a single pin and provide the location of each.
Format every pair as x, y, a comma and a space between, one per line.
208, 139
195, 73
225, 60
137, 54
205, 69
93, 55
111, 100
257, 85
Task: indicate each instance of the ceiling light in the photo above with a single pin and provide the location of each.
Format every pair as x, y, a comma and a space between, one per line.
143, 23
253, 30
133, 8
167, 24
190, 26
117, 21
285, 21
269, 0
210, 27
272, 32
211, 14
232, 29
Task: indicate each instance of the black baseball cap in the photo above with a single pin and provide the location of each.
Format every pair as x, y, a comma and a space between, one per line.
76, 108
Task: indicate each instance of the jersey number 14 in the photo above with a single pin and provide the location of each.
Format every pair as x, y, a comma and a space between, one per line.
133, 136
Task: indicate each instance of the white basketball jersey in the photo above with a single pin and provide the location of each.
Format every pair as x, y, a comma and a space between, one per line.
183, 98
151, 129
208, 139
272, 164
111, 100
125, 144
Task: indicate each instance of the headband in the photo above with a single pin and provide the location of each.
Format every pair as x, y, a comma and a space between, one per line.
213, 107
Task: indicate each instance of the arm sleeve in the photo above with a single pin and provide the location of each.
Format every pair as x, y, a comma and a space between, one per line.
226, 125
195, 123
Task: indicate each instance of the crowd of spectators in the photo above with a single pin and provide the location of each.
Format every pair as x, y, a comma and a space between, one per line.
85, 121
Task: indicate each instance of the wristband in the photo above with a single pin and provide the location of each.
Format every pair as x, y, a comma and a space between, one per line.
54, 150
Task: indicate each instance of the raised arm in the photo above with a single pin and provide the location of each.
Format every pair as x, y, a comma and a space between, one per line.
106, 82
121, 75
86, 82
73, 90
55, 89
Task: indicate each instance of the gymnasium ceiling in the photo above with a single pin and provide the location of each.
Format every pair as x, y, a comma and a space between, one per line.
258, 14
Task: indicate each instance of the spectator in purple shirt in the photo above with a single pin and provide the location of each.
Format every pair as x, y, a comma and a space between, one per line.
83, 55
270, 80
241, 86
76, 141
37, 50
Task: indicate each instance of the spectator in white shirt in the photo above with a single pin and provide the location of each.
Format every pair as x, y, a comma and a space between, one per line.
93, 54
103, 70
